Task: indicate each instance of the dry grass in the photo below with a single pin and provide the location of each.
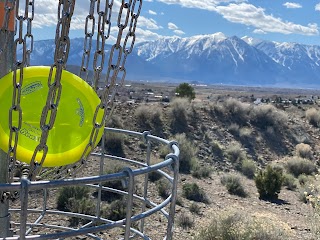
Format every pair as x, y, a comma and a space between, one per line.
297, 166
264, 116
235, 154
179, 113
303, 150
187, 153
313, 116
233, 184
235, 224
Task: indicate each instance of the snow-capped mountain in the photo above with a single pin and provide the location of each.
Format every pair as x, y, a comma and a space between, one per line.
301, 62
213, 58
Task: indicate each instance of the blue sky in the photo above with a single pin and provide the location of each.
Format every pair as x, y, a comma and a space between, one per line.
274, 20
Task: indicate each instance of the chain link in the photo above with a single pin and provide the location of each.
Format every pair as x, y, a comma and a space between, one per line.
115, 68
89, 23
49, 112
28, 38
15, 111
116, 65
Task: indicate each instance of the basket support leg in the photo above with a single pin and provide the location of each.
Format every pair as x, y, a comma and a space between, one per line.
6, 63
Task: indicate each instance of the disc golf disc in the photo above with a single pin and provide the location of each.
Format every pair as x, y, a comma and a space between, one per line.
73, 125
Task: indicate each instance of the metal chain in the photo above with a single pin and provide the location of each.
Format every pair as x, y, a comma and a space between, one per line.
49, 112
15, 112
28, 38
89, 32
116, 65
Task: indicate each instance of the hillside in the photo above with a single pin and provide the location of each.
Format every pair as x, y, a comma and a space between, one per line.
227, 126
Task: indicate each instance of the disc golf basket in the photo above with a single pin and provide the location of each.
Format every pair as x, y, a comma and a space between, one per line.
55, 178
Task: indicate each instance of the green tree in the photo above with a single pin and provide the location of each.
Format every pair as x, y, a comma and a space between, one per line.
269, 182
186, 90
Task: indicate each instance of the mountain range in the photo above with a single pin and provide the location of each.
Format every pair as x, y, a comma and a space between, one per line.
209, 59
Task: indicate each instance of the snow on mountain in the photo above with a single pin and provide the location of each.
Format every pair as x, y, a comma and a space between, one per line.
213, 58
300, 61
210, 58
251, 41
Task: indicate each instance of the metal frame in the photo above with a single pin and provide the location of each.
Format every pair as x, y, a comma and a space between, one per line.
6, 65
168, 168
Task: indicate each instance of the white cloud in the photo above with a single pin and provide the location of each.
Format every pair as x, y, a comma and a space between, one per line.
148, 23
172, 26
259, 31
152, 12
201, 4
239, 11
175, 29
146, 35
179, 32
292, 5
251, 15
317, 7
46, 16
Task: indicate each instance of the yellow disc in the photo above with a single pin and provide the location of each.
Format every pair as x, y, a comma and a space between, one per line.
73, 125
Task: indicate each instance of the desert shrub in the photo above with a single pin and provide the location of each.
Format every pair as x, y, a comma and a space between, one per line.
112, 167
149, 117
313, 116
83, 206
234, 129
68, 194
269, 182
193, 192
303, 179
199, 171
263, 116
195, 208
234, 225
164, 150
75, 199
233, 184
304, 192
235, 154
117, 210
238, 111
154, 176
248, 168
296, 166
114, 144
187, 153
185, 221
245, 132
114, 122
163, 188
155, 118
179, 112
289, 181
142, 116
216, 109
216, 149
303, 150
179, 200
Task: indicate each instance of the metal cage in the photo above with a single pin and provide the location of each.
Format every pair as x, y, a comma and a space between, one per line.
33, 217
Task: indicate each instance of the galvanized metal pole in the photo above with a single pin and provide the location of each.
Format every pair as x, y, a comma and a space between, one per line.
6, 63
